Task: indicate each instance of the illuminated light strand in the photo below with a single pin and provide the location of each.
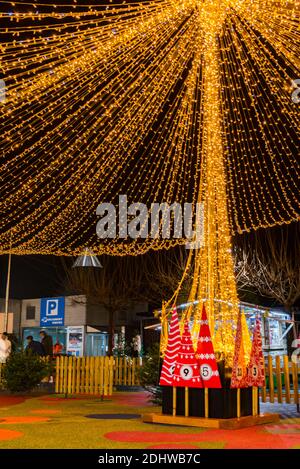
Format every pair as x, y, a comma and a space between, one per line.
258, 117
176, 179
239, 157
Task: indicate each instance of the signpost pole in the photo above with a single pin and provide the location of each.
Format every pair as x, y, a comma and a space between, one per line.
7, 290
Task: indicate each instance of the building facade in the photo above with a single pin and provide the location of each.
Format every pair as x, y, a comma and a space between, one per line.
76, 325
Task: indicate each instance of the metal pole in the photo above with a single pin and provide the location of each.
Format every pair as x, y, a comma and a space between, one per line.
7, 294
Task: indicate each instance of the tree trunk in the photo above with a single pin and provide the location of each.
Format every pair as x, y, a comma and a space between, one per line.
111, 331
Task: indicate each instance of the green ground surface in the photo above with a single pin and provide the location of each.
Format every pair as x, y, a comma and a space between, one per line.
70, 428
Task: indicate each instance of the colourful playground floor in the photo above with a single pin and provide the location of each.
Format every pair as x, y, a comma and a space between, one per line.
55, 422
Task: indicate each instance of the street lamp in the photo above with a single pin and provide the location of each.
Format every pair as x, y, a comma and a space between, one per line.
7, 289
87, 259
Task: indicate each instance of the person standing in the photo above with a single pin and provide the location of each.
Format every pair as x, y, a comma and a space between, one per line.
34, 347
5, 347
136, 345
57, 349
47, 343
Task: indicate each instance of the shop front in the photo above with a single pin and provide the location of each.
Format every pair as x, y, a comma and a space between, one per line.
275, 326
77, 327
58, 334
65, 320
96, 344
71, 340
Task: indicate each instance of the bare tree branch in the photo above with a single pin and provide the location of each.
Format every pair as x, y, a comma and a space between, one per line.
267, 261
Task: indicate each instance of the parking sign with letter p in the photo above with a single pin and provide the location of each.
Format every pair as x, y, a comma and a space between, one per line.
52, 308
52, 312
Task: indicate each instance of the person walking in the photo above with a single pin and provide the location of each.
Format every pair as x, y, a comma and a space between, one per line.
5, 347
34, 347
47, 344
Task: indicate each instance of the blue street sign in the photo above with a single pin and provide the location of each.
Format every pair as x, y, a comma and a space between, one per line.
52, 312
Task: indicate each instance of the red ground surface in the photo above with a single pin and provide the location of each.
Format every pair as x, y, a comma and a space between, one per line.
22, 419
9, 434
283, 435
246, 438
45, 411
173, 446
138, 399
72, 398
6, 401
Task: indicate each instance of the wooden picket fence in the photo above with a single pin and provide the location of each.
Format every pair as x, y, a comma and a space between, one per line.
282, 381
95, 375
84, 375
98, 375
127, 371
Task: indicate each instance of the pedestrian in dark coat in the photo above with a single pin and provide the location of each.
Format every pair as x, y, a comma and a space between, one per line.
34, 347
47, 344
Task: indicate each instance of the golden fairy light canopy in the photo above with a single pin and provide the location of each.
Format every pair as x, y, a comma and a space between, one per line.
138, 98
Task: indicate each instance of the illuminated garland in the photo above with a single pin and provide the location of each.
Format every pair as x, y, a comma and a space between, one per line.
112, 99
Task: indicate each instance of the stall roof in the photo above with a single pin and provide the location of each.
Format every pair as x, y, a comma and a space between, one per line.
242, 304
247, 307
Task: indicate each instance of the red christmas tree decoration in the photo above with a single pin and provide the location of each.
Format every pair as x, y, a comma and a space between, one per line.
174, 340
187, 372
239, 369
256, 370
206, 355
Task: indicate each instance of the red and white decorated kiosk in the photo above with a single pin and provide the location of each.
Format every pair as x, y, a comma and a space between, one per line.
199, 390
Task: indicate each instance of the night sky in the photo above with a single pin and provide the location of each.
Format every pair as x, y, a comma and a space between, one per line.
32, 276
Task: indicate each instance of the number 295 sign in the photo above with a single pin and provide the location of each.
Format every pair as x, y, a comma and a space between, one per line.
186, 372
205, 371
